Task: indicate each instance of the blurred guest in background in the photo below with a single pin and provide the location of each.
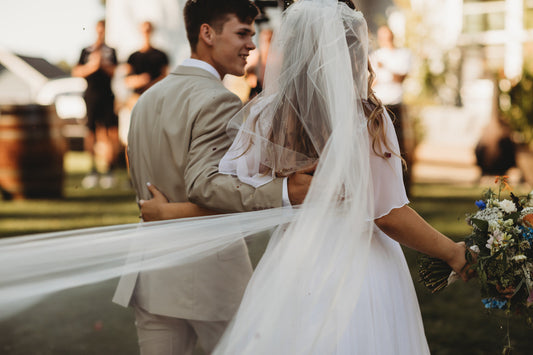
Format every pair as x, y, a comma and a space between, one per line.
256, 70
495, 151
391, 65
265, 38
97, 65
248, 86
144, 68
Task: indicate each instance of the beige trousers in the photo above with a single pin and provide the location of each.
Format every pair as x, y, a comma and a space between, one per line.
162, 335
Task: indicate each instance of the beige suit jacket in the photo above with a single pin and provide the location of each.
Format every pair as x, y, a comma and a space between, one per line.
177, 137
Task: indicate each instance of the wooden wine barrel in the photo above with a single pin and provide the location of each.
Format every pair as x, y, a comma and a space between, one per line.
31, 152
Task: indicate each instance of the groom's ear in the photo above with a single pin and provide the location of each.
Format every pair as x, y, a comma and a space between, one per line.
207, 34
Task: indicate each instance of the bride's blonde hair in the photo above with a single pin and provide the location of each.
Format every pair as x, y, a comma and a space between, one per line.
374, 111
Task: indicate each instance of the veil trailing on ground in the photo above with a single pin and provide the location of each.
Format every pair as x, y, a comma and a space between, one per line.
305, 288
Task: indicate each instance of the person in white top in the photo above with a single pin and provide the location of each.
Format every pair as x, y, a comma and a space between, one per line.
391, 65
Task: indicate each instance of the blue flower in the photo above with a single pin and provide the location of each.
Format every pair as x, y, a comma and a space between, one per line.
481, 204
527, 233
494, 303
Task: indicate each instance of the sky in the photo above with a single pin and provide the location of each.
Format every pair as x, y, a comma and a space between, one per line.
56, 30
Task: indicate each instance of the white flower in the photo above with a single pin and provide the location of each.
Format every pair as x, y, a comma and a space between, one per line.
490, 241
491, 202
520, 257
496, 240
508, 224
526, 210
494, 226
507, 206
488, 213
474, 248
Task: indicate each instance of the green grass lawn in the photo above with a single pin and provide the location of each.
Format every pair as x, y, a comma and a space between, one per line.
79, 208
84, 321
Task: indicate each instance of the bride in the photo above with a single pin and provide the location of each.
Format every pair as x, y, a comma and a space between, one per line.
333, 281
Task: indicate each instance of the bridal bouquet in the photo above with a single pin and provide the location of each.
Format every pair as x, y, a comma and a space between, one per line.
500, 251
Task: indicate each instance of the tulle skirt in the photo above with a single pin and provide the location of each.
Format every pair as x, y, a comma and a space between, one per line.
387, 319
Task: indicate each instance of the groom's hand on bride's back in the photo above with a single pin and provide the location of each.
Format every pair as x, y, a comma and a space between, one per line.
298, 184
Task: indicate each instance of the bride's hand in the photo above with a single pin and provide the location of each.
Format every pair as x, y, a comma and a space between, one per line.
159, 208
152, 210
460, 264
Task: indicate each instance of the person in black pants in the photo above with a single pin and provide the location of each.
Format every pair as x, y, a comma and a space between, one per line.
97, 65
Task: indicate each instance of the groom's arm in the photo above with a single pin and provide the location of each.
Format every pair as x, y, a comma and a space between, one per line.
209, 142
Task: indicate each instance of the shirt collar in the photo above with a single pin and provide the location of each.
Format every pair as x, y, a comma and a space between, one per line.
196, 63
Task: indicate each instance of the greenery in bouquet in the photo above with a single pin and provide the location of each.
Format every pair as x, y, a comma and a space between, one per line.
499, 250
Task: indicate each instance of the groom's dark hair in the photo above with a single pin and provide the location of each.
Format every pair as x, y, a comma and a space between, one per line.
215, 13
349, 3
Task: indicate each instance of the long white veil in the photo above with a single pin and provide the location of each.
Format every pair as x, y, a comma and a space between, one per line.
306, 286
35, 266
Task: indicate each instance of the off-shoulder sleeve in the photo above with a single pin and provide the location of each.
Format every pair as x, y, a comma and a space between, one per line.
387, 178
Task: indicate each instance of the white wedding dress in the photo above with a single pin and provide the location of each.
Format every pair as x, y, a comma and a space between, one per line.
330, 282
387, 317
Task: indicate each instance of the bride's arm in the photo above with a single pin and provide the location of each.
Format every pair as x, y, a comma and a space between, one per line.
408, 228
158, 208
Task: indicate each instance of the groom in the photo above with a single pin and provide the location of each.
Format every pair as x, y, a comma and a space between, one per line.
177, 138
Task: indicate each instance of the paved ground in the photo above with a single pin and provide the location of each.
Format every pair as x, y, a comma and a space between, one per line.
82, 320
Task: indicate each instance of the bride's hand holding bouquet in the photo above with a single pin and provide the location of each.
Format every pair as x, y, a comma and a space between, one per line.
500, 252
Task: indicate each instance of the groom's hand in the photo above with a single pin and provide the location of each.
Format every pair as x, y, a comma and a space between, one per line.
298, 184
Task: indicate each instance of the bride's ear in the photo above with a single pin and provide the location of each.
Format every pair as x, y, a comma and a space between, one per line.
207, 34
